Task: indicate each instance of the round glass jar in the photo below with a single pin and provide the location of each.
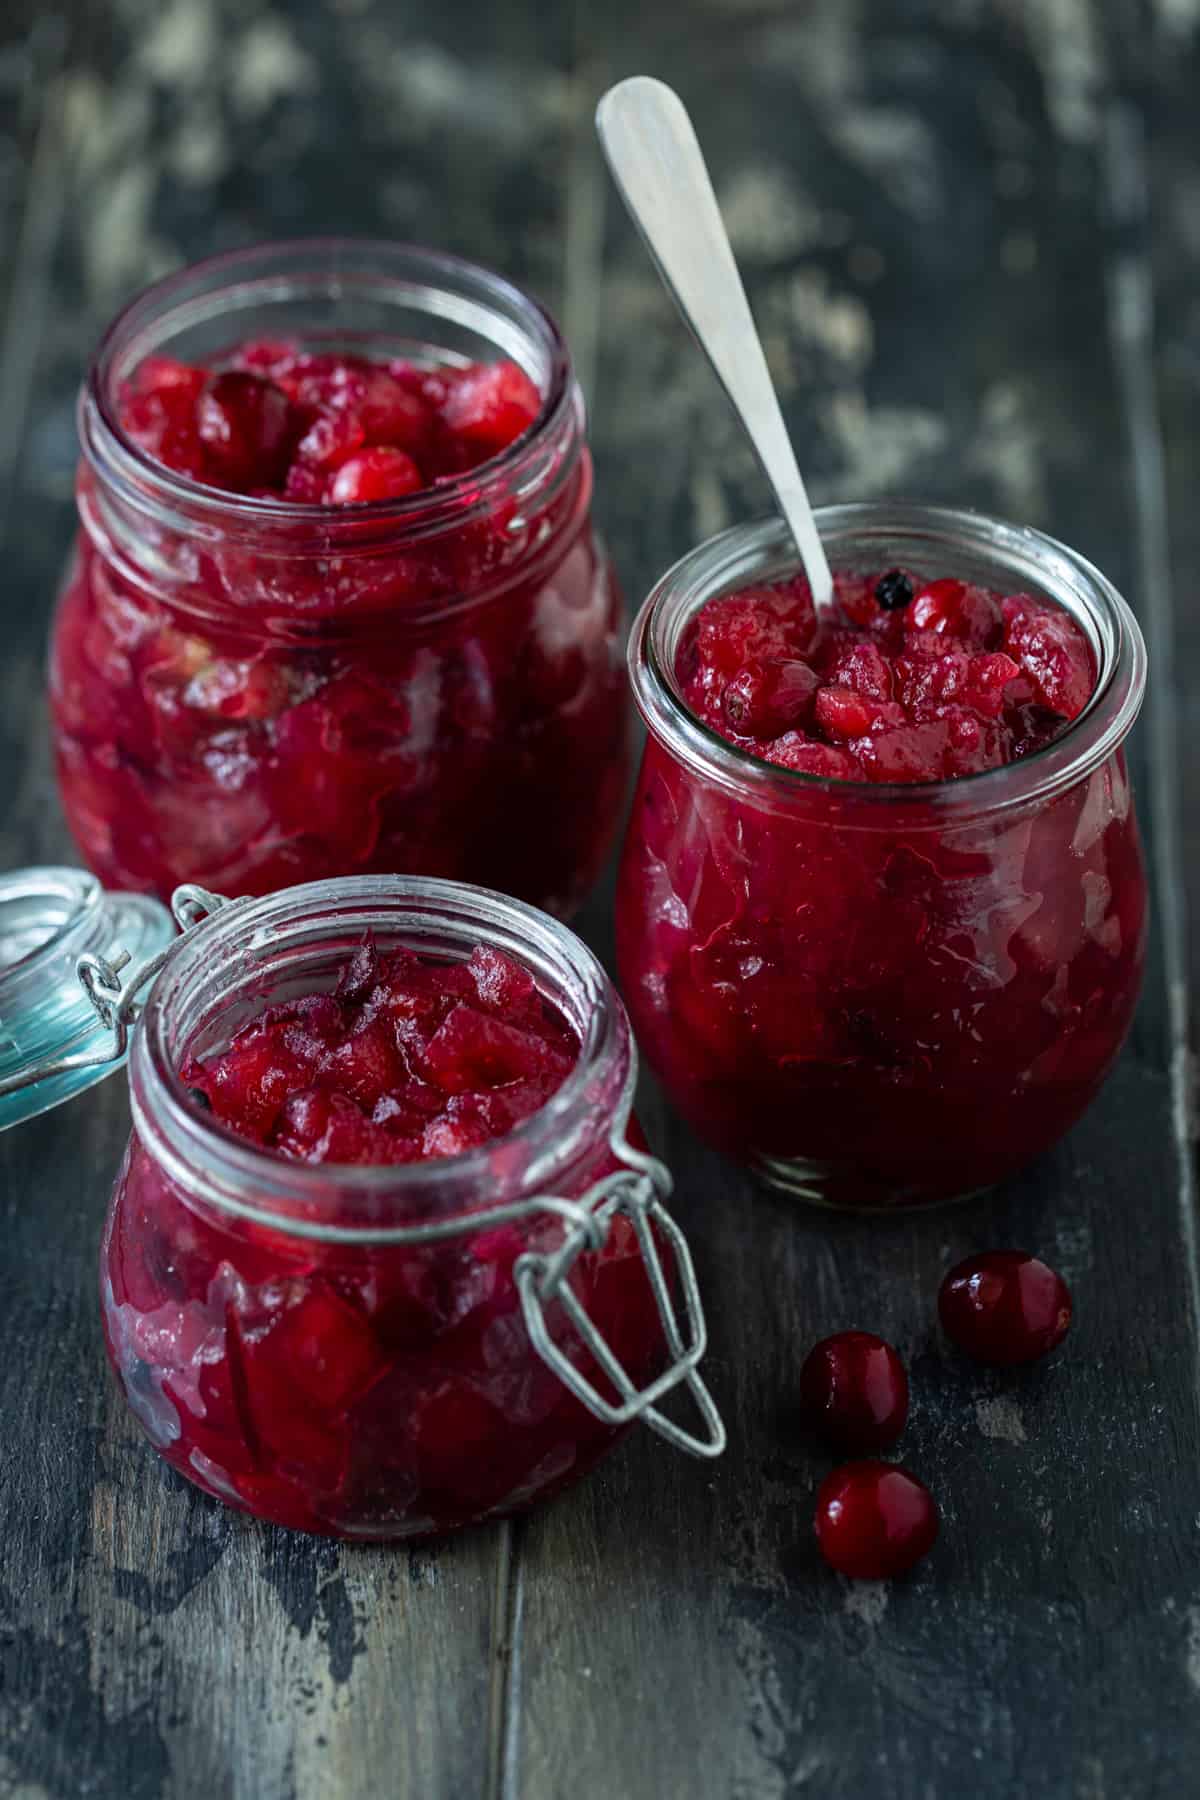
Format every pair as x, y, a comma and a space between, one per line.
251, 693
882, 995
387, 1352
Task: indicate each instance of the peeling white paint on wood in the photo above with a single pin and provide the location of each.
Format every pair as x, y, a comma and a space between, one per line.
1001, 1418
1192, 1660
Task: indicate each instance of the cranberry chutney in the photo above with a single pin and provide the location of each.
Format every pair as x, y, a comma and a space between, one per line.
306, 1099
337, 606
881, 911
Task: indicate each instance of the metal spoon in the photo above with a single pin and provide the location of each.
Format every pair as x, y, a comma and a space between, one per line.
657, 164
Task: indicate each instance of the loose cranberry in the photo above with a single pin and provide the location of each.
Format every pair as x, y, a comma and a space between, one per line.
380, 474
1005, 1307
874, 1520
855, 1391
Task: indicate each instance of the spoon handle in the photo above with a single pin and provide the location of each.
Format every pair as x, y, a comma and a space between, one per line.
658, 167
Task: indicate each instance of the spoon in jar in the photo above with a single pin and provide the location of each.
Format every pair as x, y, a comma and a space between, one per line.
656, 162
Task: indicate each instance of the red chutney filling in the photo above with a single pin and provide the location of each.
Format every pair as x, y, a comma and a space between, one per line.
326, 428
408, 1059
908, 680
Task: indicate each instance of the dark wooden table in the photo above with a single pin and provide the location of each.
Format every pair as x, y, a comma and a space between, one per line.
971, 231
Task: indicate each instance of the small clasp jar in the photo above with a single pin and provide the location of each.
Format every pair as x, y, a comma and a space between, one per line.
249, 692
883, 995
390, 1351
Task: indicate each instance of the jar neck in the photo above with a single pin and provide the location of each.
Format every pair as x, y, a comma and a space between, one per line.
367, 297
935, 542
252, 953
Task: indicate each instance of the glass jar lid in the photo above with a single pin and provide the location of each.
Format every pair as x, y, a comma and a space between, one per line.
54, 1040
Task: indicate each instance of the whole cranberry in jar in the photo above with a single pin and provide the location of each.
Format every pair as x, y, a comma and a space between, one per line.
337, 606
881, 912
380, 1258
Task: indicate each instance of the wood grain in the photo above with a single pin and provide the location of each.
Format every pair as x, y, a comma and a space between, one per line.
150, 1643
969, 231
954, 320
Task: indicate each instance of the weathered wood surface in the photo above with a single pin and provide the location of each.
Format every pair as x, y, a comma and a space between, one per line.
970, 231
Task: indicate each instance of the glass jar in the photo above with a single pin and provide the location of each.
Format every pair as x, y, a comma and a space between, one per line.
249, 693
387, 1352
883, 995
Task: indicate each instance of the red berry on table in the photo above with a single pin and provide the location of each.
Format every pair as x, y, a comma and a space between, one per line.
855, 1391
380, 474
874, 1520
1004, 1307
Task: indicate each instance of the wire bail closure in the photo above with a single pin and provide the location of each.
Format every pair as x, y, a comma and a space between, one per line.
637, 1191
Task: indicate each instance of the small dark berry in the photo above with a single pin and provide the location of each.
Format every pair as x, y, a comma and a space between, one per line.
1005, 1307
199, 1099
855, 1391
894, 590
874, 1520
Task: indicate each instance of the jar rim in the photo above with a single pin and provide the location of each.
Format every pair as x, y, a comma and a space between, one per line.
218, 1165
329, 264
762, 550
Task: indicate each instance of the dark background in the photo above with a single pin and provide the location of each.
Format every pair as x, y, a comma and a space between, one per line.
971, 232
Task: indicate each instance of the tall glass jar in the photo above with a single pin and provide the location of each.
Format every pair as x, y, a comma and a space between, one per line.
252, 692
883, 995
388, 1351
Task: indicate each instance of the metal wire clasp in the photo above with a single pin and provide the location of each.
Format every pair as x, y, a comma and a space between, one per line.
637, 1191
116, 998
